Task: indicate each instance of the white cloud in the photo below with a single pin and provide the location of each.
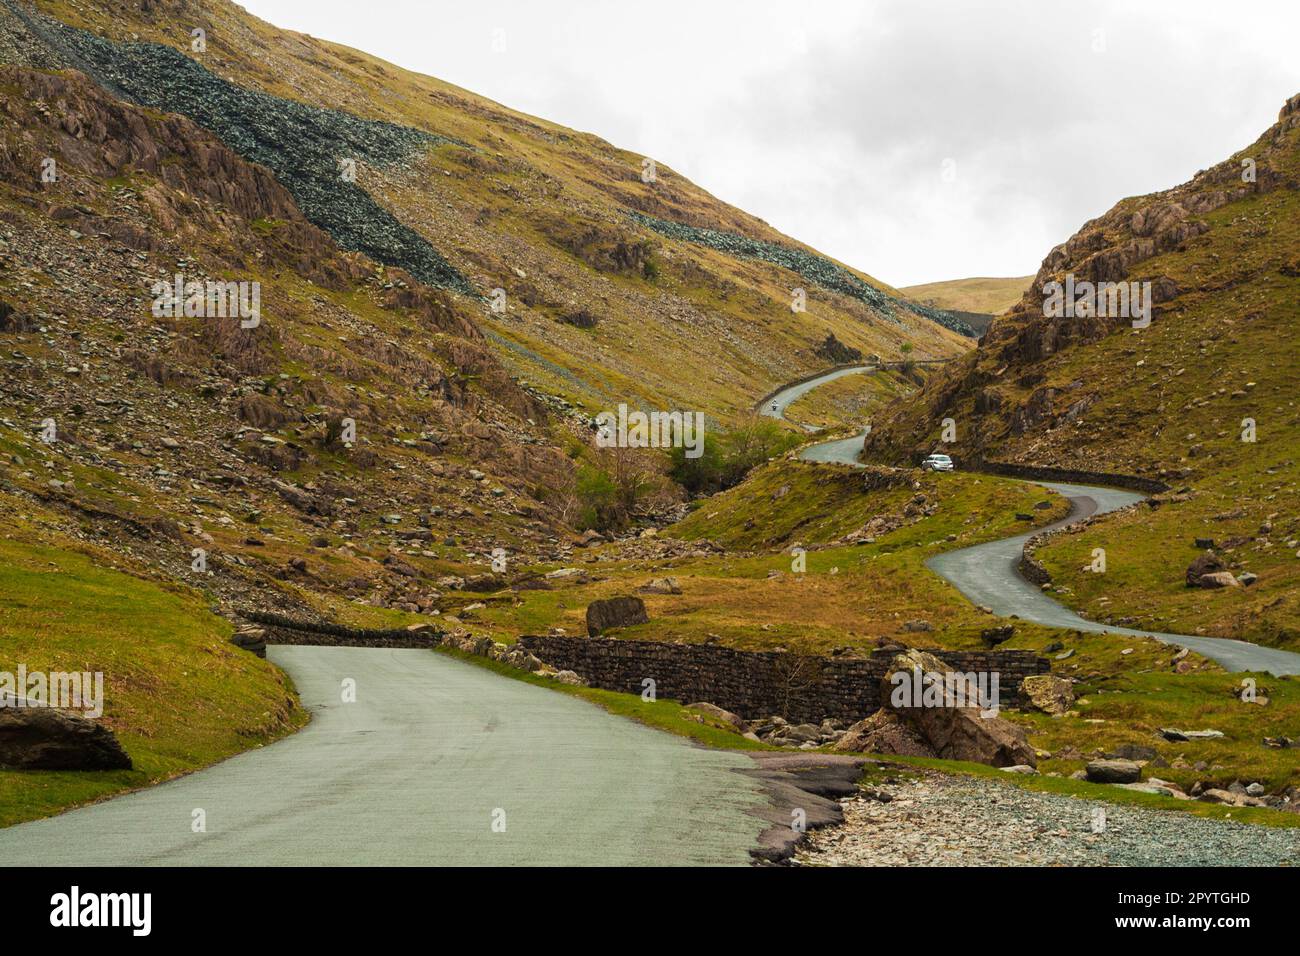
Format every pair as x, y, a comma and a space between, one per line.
832, 120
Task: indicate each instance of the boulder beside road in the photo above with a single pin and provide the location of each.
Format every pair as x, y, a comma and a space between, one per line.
43, 738
884, 732
718, 713
959, 729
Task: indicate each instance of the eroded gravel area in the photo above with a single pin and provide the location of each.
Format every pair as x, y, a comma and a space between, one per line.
943, 820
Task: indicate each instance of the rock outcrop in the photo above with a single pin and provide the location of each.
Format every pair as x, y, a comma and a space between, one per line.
885, 732
1048, 693
959, 727
836, 352
1207, 563
1114, 771
43, 738
615, 612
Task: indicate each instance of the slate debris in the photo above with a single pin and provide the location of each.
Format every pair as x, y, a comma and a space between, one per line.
301, 144
816, 269
937, 819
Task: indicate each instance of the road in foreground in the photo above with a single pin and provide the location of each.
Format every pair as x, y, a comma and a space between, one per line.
989, 574
415, 772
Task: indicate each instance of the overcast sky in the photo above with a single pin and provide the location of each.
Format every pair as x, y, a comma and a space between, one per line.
915, 140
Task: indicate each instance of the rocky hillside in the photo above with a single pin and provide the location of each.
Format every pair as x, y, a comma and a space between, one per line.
446, 290
597, 277
1202, 399
162, 435
1220, 255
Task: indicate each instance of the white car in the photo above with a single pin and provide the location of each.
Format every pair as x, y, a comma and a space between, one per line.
937, 463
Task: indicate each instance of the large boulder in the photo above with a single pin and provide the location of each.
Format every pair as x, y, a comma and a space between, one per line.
955, 726
961, 733
43, 738
1114, 771
884, 732
718, 713
1048, 693
1207, 563
615, 612
993, 636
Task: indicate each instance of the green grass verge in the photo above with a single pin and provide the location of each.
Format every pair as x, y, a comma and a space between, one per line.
178, 695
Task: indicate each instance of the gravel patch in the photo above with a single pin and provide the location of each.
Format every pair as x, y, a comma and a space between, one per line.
935, 819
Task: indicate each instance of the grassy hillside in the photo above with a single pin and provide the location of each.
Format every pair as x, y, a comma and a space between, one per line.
176, 693
170, 433
740, 585
378, 306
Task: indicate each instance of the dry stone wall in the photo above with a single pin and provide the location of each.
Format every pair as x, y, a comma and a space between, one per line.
285, 630
757, 684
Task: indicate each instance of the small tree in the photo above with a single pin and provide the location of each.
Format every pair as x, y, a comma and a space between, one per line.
727, 458
597, 498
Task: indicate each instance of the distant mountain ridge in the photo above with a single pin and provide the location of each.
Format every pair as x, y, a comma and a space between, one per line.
984, 296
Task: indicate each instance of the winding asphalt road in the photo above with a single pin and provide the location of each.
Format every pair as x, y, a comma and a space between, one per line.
776, 405
989, 574
413, 772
